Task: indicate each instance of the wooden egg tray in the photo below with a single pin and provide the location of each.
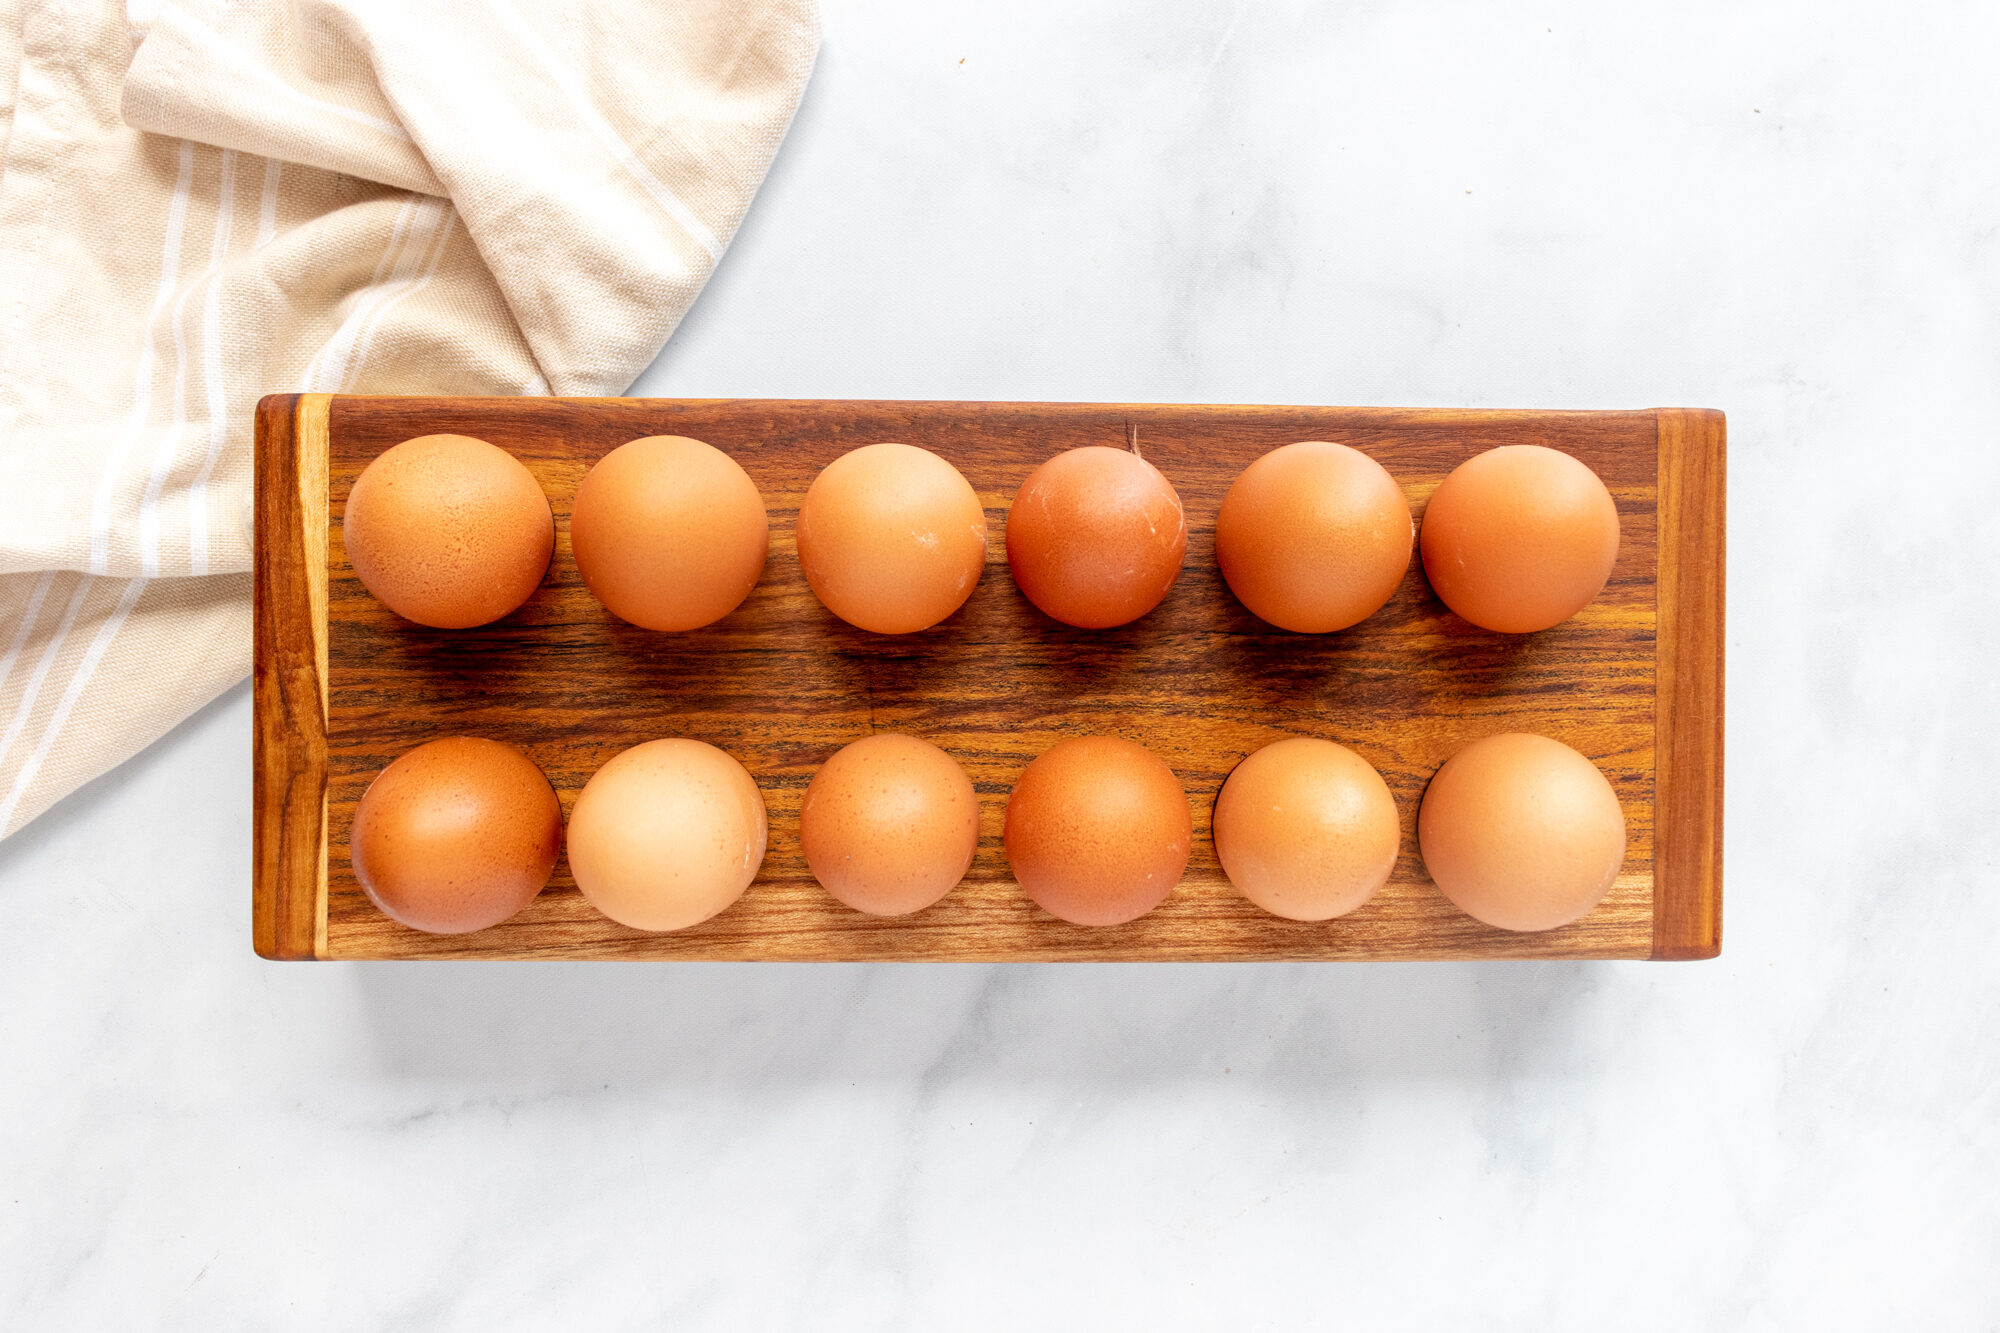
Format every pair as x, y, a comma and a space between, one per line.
343, 686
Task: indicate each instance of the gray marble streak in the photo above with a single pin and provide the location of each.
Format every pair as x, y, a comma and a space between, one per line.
1787, 212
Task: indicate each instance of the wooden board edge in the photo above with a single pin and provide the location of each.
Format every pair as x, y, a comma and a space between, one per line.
1445, 955
1688, 720
288, 826
1387, 415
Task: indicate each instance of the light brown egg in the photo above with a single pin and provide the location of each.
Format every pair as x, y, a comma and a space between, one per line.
892, 538
1096, 536
666, 834
1522, 832
669, 533
1306, 829
1098, 830
448, 531
889, 824
1520, 538
457, 835
1314, 537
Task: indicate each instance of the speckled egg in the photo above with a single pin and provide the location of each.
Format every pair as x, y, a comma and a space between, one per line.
1306, 829
456, 835
889, 824
1098, 830
448, 531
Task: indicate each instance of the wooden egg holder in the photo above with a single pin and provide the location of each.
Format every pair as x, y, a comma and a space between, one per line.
343, 686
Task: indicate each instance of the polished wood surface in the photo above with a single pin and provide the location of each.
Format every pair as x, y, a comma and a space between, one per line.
288, 760
780, 684
1687, 911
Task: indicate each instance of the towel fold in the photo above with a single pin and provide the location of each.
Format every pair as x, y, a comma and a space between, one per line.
218, 201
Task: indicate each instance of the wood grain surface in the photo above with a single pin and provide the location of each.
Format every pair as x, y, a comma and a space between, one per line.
1634, 681
288, 759
1688, 785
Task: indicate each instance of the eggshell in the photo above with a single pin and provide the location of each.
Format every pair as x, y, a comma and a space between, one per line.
1096, 536
1314, 537
1520, 538
456, 835
1522, 832
889, 824
892, 538
669, 533
1306, 829
666, 834
1098, 830
448, 531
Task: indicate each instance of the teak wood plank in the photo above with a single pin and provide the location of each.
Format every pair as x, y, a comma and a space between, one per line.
1687, 908
343, 686
288, 832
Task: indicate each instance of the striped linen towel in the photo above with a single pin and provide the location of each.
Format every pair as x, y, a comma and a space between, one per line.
206, 201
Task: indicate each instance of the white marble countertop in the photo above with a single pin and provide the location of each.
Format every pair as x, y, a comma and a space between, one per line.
1786, 212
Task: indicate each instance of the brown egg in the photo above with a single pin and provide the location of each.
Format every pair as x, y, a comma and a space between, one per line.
1095, 537
1098, 830
1522, 832
892, 538
666, 835
669, 533
1520, 538
448, 531
1314, 537
457, 835
1306, 829
889, 824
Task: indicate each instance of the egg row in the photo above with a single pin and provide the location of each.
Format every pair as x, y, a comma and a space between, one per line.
1520, 831
671, 534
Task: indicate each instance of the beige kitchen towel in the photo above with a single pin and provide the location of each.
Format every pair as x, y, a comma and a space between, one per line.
203, 202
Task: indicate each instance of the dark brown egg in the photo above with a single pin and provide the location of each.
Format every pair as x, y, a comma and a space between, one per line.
1522, 832
889, 824
1314, 537
456, 835
1098, 830
1096, 536
1520, 538
448, 531
669, 533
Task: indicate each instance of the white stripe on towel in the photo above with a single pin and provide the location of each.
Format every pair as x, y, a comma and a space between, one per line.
142, 391
168, 451
409, 288
26, 707
100, 643
267, 207
28, 616
211, 376
316, 379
